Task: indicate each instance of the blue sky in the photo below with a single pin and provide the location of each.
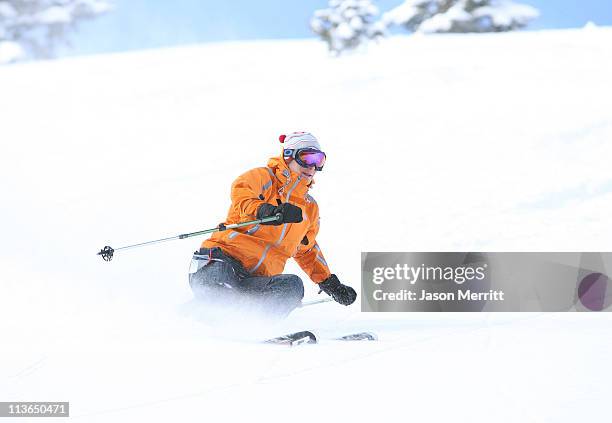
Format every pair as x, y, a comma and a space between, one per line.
137, 24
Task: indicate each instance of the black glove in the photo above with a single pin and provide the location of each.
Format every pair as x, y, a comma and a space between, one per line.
342, 294
289, 213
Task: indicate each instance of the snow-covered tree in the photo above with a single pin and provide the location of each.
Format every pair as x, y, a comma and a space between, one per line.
461, 15
32, 28
346, 24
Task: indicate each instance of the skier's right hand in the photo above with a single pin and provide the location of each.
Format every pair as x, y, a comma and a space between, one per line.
288, 213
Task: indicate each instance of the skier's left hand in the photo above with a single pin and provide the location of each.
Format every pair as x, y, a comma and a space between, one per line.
342, 294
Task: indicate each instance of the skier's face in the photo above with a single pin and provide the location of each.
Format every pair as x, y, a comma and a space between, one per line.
305, 172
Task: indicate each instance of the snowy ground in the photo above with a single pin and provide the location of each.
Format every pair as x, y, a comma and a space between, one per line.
486, 142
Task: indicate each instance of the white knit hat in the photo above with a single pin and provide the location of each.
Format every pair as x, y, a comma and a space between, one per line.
299, 140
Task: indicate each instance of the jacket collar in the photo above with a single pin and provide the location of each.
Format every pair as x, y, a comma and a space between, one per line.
287, 178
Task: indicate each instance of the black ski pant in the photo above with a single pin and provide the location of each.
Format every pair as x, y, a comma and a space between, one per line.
218, 278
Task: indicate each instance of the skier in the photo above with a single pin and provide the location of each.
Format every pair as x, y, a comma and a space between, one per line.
244, 266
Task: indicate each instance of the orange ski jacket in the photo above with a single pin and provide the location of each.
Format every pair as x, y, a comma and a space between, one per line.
263, 250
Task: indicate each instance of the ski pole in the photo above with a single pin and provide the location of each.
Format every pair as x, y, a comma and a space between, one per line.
107, 252
313, 302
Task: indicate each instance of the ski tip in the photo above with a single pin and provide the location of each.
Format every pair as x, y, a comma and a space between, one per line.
361, 336
294, 339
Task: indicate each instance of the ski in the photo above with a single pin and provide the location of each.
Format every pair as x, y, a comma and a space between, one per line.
294, 339
360, 336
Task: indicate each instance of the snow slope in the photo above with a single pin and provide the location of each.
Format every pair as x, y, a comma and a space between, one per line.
497, 142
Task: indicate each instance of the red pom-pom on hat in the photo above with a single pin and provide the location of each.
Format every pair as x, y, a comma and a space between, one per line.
281, 138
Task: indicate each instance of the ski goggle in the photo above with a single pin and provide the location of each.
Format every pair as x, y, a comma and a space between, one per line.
306, 157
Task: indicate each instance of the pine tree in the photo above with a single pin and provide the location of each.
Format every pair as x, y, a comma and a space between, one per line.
33, 28
461, 15
346, 24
